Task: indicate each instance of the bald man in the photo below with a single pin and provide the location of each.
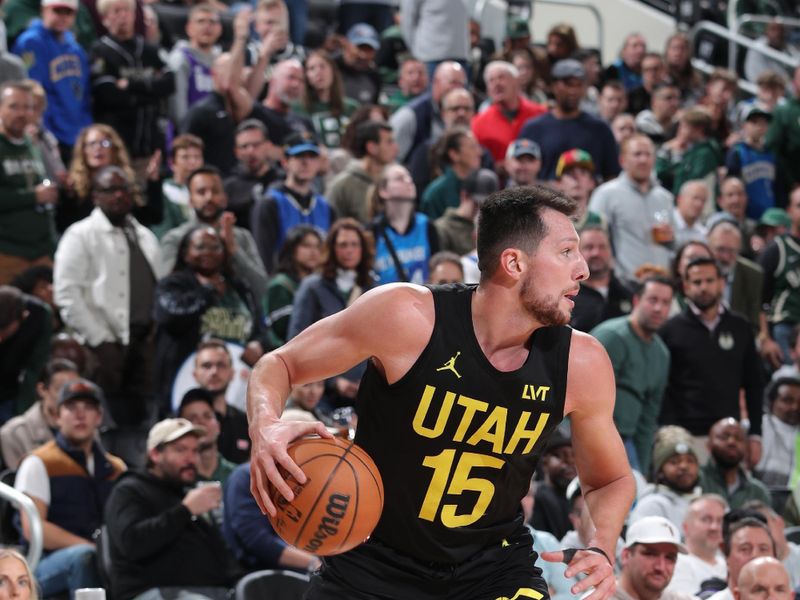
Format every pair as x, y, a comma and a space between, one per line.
763, 577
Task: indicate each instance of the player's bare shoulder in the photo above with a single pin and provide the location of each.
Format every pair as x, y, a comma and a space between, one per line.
399, 320
590, 377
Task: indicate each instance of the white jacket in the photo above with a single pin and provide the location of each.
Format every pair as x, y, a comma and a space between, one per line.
91, 277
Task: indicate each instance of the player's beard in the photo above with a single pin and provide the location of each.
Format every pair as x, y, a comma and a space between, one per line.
544, 309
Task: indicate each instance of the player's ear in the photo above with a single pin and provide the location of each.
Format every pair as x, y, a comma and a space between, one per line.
512, 262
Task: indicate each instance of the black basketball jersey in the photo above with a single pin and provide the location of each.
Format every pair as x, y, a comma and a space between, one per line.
456, 440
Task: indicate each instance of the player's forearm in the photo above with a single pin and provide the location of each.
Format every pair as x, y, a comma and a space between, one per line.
267, 390
609, 506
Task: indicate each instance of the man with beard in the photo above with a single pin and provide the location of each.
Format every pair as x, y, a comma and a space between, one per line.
702, 532
213, 371
641, 366
566, 126
713, 358
552, 507
675, 475
723, 474
160, 533
474, 380
648, 561
602, 295
207, 198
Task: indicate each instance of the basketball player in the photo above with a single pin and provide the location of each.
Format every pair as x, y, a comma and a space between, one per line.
464, 386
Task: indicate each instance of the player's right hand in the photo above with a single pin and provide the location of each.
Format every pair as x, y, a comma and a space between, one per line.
269, 452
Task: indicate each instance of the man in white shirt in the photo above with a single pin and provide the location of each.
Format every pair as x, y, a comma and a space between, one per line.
106, 268
702, 531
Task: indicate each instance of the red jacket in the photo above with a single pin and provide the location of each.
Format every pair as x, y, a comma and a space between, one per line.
495, 132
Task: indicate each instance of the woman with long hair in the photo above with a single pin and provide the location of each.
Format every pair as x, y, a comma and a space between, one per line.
201, 299
98, 146
298, 257
325, 103
532, 70
16, 579
346, 273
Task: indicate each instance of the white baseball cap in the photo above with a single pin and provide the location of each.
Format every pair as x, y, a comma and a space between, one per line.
73, 4
654, 530
169, 430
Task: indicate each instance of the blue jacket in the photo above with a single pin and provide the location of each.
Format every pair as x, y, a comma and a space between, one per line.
62, 67
247, 532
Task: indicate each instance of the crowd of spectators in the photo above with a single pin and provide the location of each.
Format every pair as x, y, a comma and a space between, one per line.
177, 200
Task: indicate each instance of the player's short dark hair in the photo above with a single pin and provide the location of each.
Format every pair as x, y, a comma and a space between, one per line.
513, 218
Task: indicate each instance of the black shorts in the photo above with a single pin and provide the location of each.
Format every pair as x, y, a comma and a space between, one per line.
375, 571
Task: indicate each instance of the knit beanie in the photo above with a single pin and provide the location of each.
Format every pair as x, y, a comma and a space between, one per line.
669, 441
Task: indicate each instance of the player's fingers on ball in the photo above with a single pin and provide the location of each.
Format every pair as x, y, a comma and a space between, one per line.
276, 478
258, 488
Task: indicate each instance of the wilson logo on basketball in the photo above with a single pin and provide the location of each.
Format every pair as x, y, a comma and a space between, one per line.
335, 511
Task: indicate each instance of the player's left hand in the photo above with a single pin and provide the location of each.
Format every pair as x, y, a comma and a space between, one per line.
599, 572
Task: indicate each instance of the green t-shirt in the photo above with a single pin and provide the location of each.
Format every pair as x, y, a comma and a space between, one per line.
27, 229
229, 319
327, 126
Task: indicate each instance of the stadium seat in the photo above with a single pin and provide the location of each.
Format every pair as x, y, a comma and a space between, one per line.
272, 585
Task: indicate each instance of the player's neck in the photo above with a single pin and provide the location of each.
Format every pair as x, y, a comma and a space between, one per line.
501, 326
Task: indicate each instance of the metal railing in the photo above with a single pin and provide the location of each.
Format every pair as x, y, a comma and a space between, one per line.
747, 19
737, 39
584, 5
24, 503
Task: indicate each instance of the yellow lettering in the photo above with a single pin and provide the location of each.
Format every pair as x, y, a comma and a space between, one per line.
521, 433
541, 392
493, 430
526, 392
524, 593
422, 413
472, 406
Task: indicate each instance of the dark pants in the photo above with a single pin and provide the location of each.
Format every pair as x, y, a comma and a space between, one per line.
125, 374
375, 571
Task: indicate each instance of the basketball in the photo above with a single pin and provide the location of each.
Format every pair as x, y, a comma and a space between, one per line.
340, 503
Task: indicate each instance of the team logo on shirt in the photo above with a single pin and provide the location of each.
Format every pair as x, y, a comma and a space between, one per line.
450, 365
726, 341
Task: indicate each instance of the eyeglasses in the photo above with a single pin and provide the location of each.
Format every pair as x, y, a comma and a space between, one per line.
104, 143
